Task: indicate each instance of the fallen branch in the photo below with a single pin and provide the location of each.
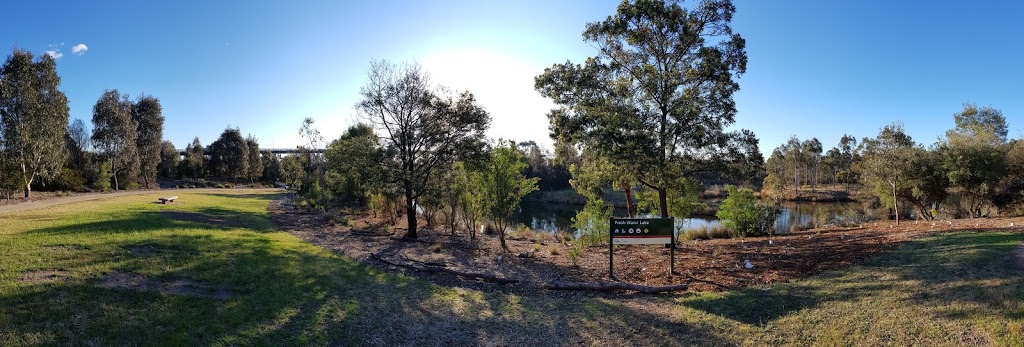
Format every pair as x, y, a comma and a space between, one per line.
427, 263
367, 233
406, 239
610, 286
473, 275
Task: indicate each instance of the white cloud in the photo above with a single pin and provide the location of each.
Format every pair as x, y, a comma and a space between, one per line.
79, 49
55, 54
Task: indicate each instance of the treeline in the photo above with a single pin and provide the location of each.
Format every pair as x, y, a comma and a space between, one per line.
124, 150
39, 148
974, 170
231, 157
801, 163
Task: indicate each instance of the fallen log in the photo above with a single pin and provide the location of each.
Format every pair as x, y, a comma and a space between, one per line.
426, 263
473, 275
611, 286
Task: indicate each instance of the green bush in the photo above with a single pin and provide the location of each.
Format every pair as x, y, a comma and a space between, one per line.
739, 210
103, 177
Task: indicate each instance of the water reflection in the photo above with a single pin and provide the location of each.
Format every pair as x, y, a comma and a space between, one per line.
554, 217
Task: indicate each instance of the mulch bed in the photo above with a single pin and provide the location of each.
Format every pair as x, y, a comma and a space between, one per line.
538, 258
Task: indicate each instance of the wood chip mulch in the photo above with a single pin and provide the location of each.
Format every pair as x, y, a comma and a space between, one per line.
540, 257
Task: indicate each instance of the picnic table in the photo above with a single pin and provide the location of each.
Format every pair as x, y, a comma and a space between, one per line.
167, 199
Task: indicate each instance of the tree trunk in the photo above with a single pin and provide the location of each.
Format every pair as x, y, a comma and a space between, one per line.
116, 185
663, 202
895, 203
630, 209
410, 211
28, 190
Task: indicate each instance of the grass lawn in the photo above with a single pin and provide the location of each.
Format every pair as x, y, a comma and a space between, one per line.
214, 271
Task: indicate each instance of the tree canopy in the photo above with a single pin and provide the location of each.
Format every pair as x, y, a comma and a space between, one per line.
659, 94
33, 117
423, 129
114, 133
149, 120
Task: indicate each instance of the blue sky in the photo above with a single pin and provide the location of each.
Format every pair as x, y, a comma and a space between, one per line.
817, 68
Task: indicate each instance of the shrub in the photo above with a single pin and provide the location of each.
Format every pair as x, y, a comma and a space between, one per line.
706, 232
103, 177
767, 214
739, 210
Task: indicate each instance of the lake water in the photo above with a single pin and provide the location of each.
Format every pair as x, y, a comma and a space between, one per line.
555, 217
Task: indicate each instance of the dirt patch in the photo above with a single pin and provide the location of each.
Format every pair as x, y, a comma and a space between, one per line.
142, 250
43, 276
540, 257
204, 218
61, 248
137, 282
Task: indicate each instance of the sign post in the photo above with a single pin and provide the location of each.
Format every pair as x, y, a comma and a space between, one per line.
641, 231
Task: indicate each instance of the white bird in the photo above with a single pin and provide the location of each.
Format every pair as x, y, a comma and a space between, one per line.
769, 242
748, 265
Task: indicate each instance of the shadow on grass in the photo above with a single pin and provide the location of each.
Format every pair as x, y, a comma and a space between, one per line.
148, 221
939, 271
291, 293
257, 196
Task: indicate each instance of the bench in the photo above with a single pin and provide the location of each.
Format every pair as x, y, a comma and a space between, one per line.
167, 199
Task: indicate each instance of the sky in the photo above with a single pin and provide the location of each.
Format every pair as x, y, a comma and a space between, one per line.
816, 68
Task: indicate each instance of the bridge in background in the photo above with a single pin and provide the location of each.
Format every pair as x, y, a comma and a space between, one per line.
278, 151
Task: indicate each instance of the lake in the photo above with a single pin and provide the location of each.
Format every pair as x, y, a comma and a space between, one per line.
554, 217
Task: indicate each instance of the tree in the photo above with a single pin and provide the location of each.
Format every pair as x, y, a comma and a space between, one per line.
353, 164
271, 167
314, 162
229, 155
847, 145
812, 159
114, 133
78, 167
795, 159
33, 118
169, 159
252, 154
293, 171
974, 155
149, 121
422, 130
504, 186
887, 164
471, 195
927, 182
194, 165
80, 135
658, 95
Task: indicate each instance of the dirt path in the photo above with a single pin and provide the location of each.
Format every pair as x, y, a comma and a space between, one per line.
96, 196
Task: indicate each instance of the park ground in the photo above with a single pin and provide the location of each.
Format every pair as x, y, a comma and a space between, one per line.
213, 269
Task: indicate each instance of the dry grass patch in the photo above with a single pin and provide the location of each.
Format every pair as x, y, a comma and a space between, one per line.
43, 276
181, 286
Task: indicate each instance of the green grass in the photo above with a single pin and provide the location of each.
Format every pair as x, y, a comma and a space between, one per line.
953, 289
